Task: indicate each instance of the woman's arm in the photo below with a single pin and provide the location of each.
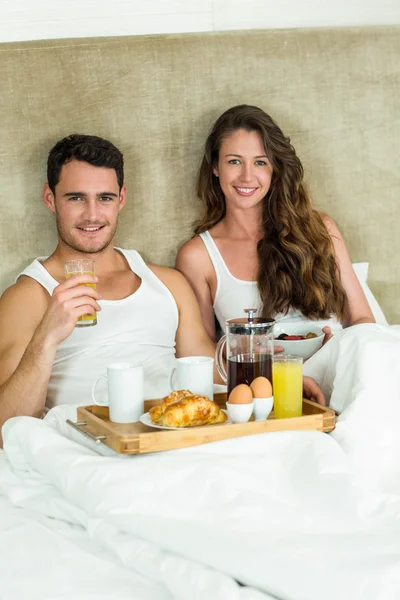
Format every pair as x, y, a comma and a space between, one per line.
195, 264
359, 310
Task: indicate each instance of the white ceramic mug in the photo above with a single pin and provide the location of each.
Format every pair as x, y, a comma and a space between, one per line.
194, 373
125, 392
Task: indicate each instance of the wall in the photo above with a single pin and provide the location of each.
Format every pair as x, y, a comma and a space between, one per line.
45, 19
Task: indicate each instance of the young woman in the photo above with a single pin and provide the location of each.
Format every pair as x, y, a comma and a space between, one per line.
260, 243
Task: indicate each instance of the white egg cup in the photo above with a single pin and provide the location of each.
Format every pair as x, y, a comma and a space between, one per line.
262, 407
240, 413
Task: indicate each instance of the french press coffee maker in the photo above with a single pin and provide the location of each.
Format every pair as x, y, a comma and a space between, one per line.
249, 343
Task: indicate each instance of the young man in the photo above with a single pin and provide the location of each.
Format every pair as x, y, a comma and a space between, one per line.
147, 314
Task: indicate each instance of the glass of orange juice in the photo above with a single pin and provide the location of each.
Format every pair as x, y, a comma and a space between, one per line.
287, 381
82, 266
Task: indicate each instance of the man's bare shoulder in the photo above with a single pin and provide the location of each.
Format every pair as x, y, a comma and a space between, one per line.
168, 275
25, 295
22, 307
180, 290
176, 283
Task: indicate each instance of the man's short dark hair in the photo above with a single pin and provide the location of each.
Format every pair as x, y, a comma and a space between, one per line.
87, 148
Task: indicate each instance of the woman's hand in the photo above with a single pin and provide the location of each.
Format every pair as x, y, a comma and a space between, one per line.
312, 391
328, 334
278, 349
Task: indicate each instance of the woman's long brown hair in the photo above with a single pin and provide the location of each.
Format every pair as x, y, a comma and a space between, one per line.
297, 263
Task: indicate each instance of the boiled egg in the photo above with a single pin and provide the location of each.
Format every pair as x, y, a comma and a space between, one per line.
261, 388
241, 394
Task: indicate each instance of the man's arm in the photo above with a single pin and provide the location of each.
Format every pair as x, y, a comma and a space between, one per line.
32, 325
21, 310
191, 337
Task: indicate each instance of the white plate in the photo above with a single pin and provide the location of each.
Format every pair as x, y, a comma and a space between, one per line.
146, 420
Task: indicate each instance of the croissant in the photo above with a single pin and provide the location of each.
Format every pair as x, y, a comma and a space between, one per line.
191, 411
157, 412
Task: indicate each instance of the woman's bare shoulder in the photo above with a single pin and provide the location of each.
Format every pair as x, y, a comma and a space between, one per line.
336, 237
329, 224
192, 251
195, 244
194, 262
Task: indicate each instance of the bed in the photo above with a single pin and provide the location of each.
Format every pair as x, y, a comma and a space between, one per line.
294, 516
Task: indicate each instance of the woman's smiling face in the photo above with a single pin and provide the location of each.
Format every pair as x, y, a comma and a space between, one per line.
243, 169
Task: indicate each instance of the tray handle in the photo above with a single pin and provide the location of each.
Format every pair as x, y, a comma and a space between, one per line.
97, 439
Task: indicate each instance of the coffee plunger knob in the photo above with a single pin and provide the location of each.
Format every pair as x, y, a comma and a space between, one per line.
250, 313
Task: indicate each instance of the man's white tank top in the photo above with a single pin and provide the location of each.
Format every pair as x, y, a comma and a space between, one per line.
233, 295
139, 329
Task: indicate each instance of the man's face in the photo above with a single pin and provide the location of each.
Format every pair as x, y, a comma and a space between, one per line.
86, 203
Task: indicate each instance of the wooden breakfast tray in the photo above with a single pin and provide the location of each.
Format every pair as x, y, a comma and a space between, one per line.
136, 438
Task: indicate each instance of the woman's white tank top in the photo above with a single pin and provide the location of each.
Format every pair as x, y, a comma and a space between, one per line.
139, 329
233, 295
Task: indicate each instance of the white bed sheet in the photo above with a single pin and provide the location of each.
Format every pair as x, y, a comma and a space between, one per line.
292, 515
46, 558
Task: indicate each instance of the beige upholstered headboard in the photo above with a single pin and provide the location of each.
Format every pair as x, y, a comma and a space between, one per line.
335, 92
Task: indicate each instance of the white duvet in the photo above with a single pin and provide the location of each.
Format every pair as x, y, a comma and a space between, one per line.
290, 515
